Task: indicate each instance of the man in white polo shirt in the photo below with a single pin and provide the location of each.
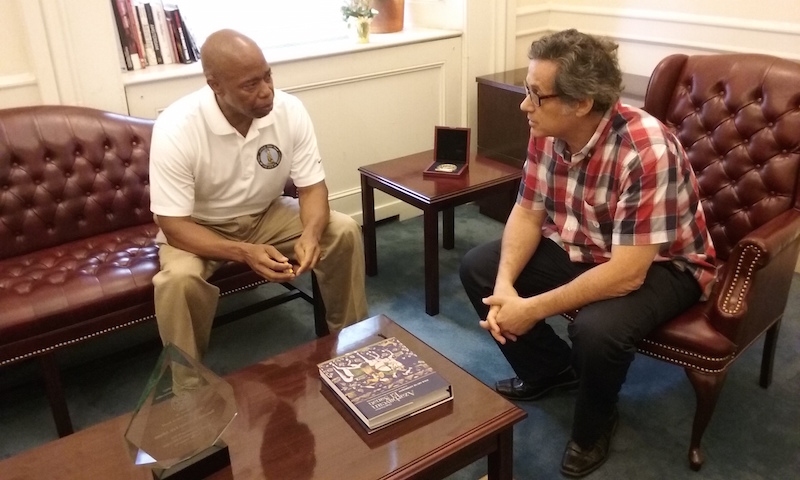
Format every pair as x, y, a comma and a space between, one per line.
219, 160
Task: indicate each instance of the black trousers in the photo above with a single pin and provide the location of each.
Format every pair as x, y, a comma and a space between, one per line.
603, 335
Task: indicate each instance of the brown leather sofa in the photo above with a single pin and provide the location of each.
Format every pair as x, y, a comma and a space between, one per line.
77, 251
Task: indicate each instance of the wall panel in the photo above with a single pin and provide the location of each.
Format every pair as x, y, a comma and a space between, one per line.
646, 35
19, 90
13, 49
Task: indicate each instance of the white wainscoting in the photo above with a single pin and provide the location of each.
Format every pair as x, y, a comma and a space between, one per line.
647, 36
361, 120
18, 90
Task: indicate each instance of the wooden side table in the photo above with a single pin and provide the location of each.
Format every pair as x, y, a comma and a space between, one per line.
402, 178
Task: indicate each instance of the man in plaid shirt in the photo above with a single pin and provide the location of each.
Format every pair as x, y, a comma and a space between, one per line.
608, 220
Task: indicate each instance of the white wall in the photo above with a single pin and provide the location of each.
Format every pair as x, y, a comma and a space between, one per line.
648, 30
71, 51
17, 80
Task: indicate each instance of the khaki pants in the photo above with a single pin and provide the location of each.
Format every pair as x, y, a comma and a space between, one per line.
186, 303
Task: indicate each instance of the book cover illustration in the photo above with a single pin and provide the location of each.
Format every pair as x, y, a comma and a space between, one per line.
383, 378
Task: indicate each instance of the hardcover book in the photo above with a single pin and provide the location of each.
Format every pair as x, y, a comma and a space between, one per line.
174, 17
165, 41
131, 22
124, 40
146, 34
384, 382
153, 36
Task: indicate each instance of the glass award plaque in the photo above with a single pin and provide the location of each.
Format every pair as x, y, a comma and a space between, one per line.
177, 424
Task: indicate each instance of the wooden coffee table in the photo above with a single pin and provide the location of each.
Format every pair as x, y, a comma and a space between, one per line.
402, 178
290, 426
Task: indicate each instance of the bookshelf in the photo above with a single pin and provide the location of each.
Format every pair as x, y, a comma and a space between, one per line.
150, 33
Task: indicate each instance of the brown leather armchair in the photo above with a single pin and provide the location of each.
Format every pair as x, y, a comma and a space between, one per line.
738, 118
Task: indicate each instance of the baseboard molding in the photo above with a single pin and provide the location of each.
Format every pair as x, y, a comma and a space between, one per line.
394, 208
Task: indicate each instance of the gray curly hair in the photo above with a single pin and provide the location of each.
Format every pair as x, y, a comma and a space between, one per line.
587, 66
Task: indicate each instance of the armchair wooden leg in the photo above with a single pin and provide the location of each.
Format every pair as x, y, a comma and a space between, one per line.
706, 387
768, 355
55, 394
320, 324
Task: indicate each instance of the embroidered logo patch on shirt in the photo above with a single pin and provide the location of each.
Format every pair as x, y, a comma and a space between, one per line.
269, 156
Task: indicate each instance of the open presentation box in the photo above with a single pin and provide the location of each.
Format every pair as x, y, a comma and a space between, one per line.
450, 152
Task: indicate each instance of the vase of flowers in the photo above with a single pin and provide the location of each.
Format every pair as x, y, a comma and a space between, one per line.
358, 14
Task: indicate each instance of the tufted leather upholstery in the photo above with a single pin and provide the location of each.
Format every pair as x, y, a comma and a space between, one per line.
77, 252
738, 118
75, 223
67, 177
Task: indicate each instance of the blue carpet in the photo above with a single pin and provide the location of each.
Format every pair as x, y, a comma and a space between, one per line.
754, 434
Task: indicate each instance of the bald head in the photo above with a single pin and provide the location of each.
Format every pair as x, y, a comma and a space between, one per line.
239, 76
226, 51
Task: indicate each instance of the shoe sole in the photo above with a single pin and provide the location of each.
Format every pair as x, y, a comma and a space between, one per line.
561, 386
583, 474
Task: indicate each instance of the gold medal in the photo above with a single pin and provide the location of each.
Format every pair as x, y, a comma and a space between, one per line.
446, 167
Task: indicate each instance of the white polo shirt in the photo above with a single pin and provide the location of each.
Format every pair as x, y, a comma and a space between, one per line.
200, 166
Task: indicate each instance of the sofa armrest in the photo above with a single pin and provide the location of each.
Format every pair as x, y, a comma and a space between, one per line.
766, 256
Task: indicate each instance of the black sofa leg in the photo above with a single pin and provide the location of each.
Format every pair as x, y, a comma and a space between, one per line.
768, 354
55, 394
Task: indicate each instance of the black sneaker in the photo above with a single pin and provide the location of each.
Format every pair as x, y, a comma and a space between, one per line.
518, 389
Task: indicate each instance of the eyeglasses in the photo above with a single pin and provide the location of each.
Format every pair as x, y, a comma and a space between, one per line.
535, 98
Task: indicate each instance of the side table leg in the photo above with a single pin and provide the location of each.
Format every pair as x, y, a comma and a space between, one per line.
448, 228
431, 234
368, 228
501, 461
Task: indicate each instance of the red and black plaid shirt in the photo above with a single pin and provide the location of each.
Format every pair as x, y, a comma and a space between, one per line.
630, 185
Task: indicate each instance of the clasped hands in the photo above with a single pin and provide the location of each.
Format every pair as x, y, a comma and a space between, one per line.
509, 315
271, 264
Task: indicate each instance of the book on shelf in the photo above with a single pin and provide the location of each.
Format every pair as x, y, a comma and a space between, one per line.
176, 22
384, 383
146, 33
155, 41
127, 23
162, 30
135, 32
152, 33
124, 40
186, 39
191, 43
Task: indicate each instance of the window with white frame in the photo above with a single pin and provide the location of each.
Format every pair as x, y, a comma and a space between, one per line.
271, 23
